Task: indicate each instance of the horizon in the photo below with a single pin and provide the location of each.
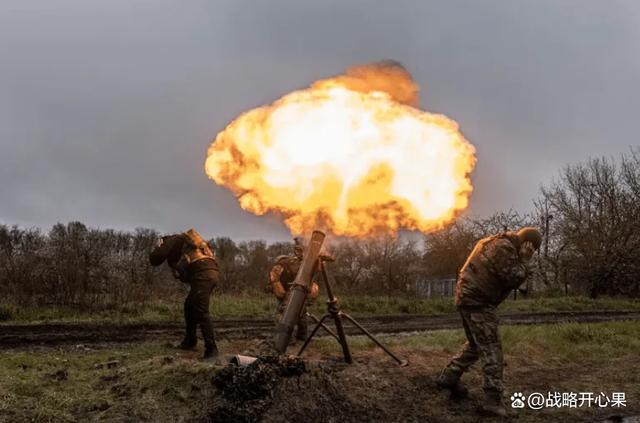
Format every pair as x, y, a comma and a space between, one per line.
109, 109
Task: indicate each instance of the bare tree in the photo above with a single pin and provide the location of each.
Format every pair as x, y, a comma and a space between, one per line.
594, 237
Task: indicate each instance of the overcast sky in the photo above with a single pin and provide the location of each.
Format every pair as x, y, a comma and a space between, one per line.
107, 107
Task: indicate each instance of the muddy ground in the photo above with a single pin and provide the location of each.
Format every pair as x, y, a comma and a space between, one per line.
153, 383
373, 389
12, 335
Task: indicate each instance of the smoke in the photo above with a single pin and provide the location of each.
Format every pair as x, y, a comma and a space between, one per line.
388, 76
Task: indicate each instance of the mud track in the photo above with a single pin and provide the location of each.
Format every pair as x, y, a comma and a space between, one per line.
17, 335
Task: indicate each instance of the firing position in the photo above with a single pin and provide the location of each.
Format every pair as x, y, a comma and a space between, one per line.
496, 266
281, 278
192, 261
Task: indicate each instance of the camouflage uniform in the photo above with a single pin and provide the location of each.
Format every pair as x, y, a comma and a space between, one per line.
493, 269
193, 263
284, 273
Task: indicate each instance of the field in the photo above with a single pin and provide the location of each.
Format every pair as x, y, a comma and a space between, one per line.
151, 382
261, 307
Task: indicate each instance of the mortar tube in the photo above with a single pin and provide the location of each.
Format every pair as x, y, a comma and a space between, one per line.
297, 295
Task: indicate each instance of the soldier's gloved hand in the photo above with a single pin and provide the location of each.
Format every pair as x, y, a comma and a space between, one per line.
278, 290
526, 251
314, 291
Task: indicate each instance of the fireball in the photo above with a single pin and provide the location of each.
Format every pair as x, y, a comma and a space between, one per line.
352, 155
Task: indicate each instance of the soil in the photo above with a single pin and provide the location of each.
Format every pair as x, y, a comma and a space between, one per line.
321, 389
373, 389
12, 335
246, 392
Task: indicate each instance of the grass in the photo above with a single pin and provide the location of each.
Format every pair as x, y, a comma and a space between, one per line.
564, 342
261, 307
150, 382
143, 382
599, 357
574, 303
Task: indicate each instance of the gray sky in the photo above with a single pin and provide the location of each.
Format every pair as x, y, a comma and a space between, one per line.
107, 107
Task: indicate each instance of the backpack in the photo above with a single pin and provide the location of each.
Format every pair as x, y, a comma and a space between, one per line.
194, 248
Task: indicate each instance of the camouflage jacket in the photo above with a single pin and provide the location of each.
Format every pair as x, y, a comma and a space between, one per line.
173, 249
282, 275
492, 270
285, 271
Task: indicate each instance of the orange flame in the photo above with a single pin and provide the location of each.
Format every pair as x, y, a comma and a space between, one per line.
349, 155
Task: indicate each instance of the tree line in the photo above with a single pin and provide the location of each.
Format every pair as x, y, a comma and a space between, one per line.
590, 217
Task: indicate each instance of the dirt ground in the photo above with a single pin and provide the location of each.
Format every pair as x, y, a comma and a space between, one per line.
59, 334
151, 382
375, 389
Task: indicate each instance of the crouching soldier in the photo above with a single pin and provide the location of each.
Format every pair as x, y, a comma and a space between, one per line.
192, 261
281, 278
496, 266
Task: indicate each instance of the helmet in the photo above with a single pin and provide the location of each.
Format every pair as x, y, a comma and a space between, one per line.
532, 235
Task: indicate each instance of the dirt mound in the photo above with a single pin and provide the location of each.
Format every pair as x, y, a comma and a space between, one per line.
276, 389
320, 395
246, 392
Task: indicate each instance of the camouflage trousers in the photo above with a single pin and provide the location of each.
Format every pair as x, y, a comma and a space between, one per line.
302, 326
483, 342
196, 309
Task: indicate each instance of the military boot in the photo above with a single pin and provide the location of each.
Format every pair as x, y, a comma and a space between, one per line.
493, 405
210, 353
184, 345
450, 379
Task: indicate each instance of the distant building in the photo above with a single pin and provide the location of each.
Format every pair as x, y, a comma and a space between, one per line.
430, 288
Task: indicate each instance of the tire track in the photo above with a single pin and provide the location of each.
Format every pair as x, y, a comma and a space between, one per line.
55, 334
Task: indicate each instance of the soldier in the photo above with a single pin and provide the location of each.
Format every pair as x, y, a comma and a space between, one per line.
496, 266
281, 277
192, 261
